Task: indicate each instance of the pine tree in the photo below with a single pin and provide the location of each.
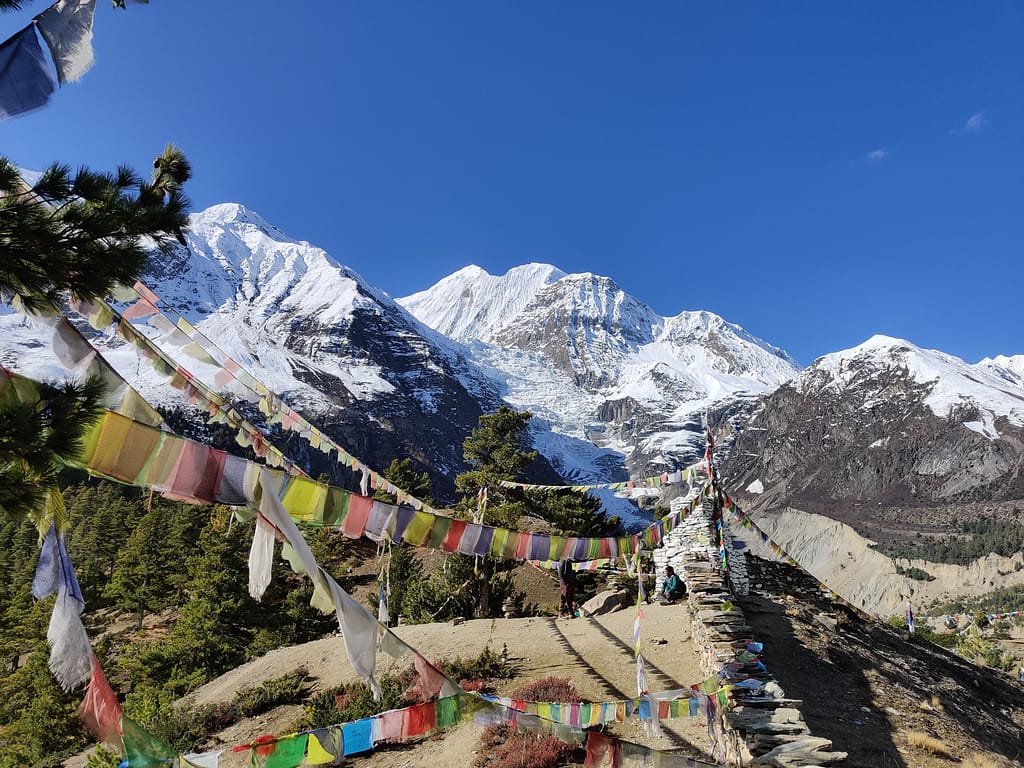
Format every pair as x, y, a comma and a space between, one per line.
139, 582
86, 232
80, 233
37, 431
496, 450
575, 513
402, 473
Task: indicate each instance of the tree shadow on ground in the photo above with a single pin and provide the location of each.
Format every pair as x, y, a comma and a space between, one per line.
614, 692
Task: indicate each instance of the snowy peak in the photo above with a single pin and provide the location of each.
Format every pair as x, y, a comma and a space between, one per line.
1010, 369
472, 304
588, 303
976, 395
235, 258
731, 350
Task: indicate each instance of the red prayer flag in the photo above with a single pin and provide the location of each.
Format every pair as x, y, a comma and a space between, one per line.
100, 710
421, 721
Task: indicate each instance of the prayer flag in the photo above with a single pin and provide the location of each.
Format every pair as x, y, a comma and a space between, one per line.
289, 752
67, 28
359, 630
202, 759
25, 79
143, 749
100, 709
421, 720
324, 746
448, 712
356, 736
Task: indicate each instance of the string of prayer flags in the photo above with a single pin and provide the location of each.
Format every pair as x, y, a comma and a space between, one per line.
100, 314
683, 702
121, 449
327, 745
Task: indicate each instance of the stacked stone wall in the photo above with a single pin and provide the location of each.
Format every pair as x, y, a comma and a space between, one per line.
764, 728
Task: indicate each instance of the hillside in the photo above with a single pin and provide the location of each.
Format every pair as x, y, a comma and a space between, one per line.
870, 689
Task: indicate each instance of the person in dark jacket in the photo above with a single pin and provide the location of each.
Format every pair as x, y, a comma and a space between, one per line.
566, 589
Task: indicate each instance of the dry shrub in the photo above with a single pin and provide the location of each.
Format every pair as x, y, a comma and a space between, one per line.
930, 743
980, 760
504, 747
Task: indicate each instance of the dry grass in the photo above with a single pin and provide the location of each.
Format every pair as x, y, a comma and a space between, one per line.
935, 705
985, 760
929, 743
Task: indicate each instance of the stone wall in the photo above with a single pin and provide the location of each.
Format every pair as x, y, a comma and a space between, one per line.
764, 728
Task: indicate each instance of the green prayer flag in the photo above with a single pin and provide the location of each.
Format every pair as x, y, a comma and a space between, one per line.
498, 542
418, 530
143, 749
447, 712
289, 752
437, 532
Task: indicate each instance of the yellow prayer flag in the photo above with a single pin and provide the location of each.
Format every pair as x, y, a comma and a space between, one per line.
315, 753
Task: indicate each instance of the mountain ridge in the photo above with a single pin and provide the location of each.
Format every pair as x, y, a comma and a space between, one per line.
617, 390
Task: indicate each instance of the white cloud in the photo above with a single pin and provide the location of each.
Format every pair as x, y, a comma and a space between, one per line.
876, 156
974, 124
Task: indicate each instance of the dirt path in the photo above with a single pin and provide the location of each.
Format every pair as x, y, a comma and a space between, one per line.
596, 654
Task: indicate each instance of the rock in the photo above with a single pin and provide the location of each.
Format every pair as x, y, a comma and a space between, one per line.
805, 753
606, 602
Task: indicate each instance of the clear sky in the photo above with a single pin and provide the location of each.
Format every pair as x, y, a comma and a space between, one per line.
816, 172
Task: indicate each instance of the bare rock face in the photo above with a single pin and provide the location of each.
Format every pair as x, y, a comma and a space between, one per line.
881, 426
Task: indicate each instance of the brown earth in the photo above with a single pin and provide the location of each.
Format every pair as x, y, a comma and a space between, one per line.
865, 686
870, 688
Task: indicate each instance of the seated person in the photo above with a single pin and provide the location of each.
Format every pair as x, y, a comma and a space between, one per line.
672, 588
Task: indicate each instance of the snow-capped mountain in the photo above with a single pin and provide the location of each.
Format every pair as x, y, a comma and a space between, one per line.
885, 424
379, 382
473, 305
598, 365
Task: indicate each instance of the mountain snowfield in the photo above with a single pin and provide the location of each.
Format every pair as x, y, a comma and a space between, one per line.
616, 389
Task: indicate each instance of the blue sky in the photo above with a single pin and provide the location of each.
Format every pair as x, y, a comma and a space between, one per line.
816, 172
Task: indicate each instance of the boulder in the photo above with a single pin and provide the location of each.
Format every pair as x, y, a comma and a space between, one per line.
608, 601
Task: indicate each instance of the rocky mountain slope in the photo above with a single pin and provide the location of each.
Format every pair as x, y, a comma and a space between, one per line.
884, 424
